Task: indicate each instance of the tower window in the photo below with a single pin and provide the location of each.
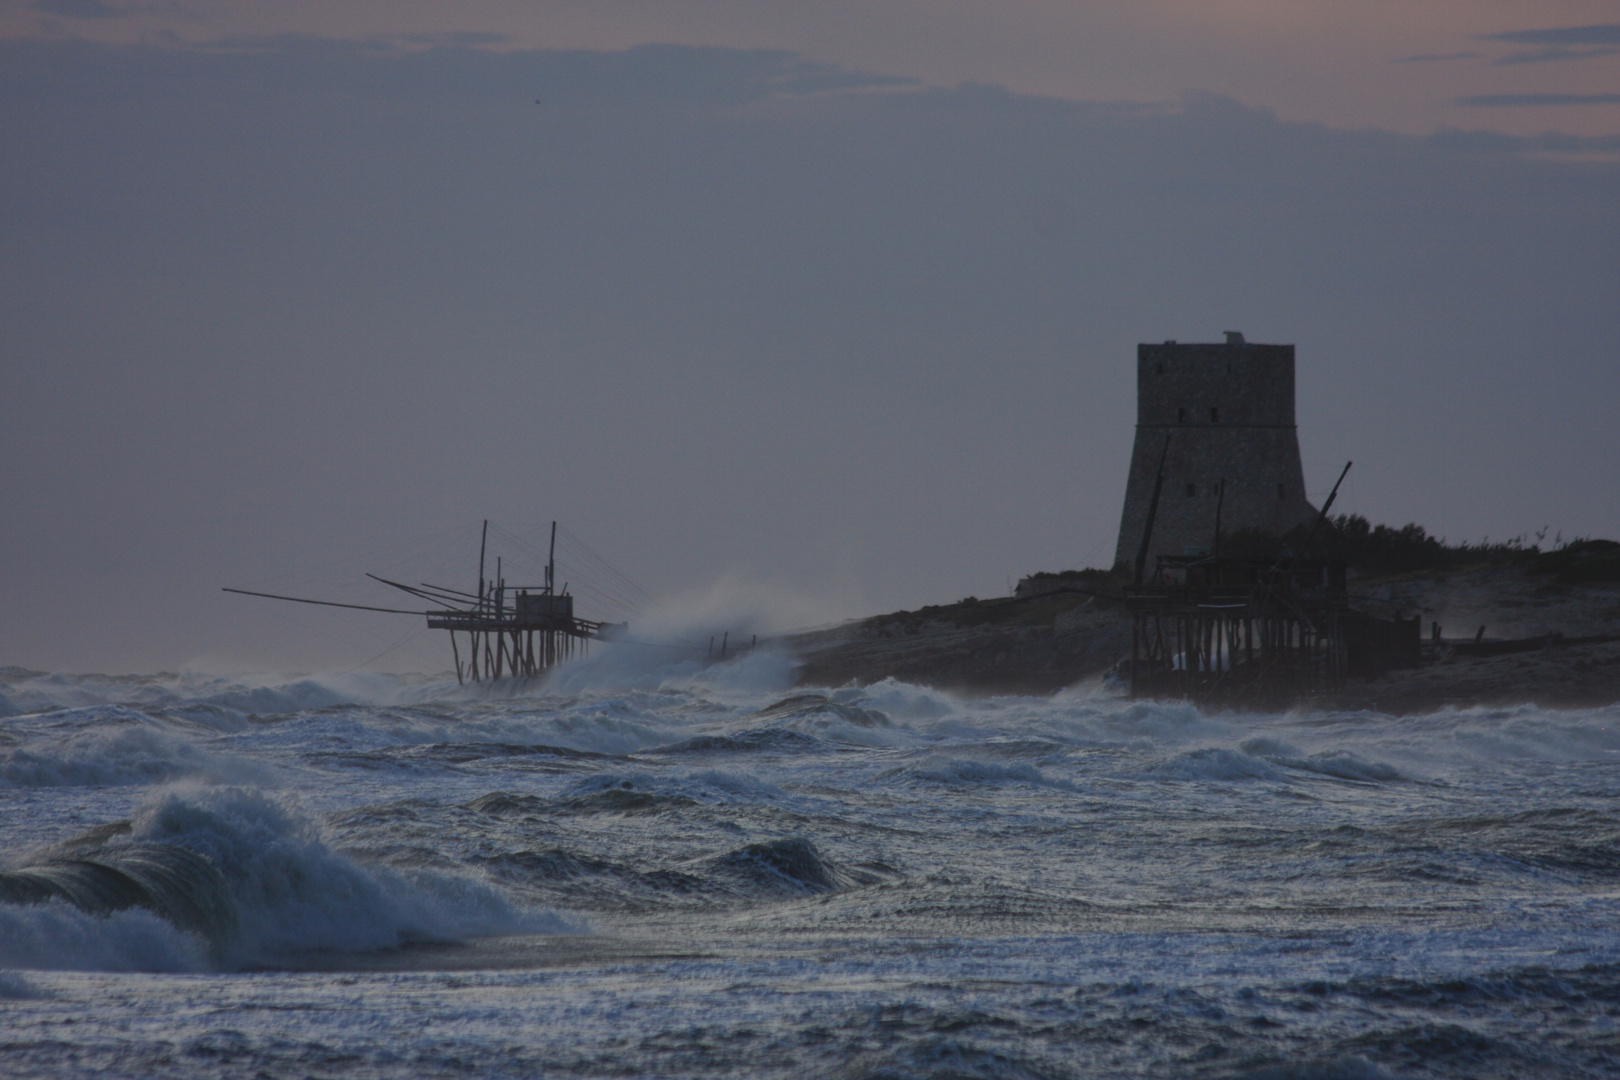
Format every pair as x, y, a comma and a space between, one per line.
1282, 492
1214, 415
1181, 416
1192, 490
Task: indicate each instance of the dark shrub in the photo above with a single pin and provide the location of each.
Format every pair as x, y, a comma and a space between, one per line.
1582, 562
1380, 550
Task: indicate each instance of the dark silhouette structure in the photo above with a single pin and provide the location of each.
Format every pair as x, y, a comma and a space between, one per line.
1255, 631
1216, 446
513, 631
1217, 450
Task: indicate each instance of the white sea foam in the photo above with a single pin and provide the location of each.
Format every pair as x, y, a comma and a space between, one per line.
633, 665
59, 937
294, 894
613, 727
291, 893
605, 726
125, 753
13, 987
1339, 763
895, 880
902, 700
674, 647
222, 700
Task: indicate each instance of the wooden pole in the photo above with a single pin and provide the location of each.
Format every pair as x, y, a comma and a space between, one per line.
1153, 512
1320, 517
483, 543
551, 562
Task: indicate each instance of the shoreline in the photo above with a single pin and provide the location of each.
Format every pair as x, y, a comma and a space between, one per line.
1043, 644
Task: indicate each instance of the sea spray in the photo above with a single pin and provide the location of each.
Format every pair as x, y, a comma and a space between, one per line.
238, 878
114, 745
885, 880
294, 894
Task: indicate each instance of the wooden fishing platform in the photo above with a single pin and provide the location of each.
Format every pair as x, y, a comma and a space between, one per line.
1263, 632
512, 630
1246, 631
517, 632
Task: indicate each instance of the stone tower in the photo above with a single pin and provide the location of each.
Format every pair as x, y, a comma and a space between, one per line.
1228, 411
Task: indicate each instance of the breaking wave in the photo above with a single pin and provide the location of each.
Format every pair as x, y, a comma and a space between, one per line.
792, 865
120, 747
58, 936
1337, 763
14, 987
229, 877
222, 701
871, 882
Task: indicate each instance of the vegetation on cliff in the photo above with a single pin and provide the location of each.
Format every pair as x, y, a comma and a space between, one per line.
1064, 627
1383, 550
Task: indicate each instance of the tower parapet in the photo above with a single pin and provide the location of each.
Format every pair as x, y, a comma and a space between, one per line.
1227, 411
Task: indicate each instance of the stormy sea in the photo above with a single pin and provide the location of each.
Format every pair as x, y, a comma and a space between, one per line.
706, 872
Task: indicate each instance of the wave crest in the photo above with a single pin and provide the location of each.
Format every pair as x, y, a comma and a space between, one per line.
231, 875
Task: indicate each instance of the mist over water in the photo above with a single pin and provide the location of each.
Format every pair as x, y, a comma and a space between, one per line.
649, 867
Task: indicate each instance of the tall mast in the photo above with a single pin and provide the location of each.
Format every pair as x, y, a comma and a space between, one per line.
482, 543
1321, 516
551, 563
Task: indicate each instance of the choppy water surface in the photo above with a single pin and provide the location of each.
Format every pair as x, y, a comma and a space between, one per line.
704, 874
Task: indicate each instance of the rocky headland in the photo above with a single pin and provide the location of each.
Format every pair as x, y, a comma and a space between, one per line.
1537, 628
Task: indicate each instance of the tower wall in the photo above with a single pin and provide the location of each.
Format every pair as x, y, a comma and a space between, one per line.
1228, 411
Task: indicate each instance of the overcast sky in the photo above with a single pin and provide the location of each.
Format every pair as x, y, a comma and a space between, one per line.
834, 305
